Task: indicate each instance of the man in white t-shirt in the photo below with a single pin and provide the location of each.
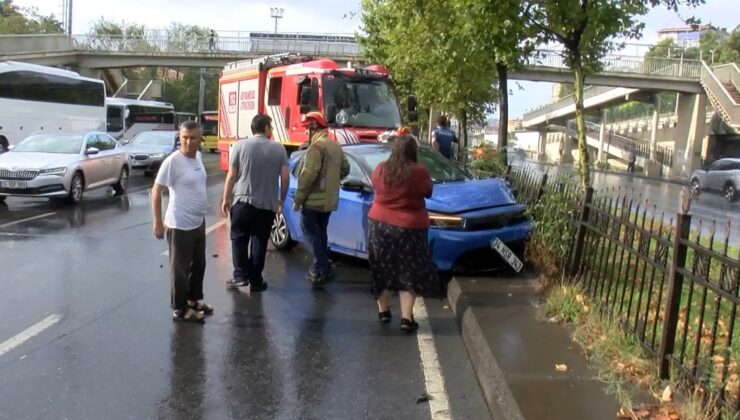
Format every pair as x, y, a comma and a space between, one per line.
184, 175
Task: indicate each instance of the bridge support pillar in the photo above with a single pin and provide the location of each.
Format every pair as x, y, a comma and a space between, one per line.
690, 131
652, 167
566, 147
542, 146
601, 157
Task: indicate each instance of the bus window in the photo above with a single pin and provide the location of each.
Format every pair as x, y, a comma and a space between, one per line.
114, 120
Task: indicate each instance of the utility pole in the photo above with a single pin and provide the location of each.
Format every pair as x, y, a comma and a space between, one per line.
67, 17
201, 90
276, 13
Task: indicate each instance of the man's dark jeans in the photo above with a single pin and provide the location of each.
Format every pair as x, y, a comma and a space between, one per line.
314, 225
250, 231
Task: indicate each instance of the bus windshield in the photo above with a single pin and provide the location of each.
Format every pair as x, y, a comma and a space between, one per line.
209, 123
361, 102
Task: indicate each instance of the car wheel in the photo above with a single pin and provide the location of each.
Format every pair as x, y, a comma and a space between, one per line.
76, 188
729, 192
122, 184
280, 234
695, 187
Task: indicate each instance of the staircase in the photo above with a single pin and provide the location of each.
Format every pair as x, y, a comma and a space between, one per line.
721, 84
732, 90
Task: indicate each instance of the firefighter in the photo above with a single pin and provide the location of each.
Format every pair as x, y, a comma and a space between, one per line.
317, 194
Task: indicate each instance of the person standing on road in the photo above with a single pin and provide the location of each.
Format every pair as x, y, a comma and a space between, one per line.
443, 137
257, 168
184, 175
399, 254
631, 160
317, 194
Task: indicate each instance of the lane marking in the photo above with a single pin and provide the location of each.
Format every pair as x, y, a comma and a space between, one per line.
439, 404
208, 232
28, 219
28, 333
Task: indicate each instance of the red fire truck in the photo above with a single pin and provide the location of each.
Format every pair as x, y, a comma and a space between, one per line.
360, 103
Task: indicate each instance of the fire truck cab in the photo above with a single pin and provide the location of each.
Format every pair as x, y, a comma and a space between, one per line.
359, 103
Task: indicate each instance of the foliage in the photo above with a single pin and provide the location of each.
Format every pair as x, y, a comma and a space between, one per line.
26, 20
552, 238
183, 91
485, 162
587, 30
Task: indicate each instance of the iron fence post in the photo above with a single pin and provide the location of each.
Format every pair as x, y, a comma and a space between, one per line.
543, 183
673, 298
581, 229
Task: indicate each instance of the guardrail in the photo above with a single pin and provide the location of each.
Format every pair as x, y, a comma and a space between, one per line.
216, 46
20, 44
672, 67
664, 155
588, 92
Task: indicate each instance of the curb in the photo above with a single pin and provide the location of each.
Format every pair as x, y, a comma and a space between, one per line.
491, 378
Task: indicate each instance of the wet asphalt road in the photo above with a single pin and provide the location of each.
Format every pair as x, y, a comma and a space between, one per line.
665, 196
289, 353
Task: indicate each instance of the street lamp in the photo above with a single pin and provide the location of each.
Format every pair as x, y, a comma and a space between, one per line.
276, 13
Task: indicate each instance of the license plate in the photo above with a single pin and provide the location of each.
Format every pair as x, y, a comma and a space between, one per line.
14, 184
507, 254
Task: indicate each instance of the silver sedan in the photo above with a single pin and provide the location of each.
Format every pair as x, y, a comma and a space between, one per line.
63, 166
722, 175
148, 150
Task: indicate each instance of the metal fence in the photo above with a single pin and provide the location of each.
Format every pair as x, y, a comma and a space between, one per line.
671, 281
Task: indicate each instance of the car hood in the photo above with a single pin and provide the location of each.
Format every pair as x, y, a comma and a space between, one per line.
146, 148
29, 161
459, 197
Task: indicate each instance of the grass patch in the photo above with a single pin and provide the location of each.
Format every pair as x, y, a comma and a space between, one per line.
622, 363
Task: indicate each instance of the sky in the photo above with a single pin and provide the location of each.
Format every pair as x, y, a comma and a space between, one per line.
329, 16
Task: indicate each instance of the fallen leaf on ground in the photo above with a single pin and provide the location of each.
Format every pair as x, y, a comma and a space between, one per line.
667, 395
561, 368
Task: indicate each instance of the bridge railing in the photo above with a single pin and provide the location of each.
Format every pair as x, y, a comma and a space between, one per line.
41, 43
664, 155
671, 67
159, 44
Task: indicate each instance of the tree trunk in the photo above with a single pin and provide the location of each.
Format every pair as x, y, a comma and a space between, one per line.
583, 164
503, 113
462, 149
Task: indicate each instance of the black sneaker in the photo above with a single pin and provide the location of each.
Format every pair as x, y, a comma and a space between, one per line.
384, 317
258, 287
408, 325
236, 283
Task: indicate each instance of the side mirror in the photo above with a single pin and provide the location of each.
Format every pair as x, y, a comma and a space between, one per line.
354, 184
92, 151
412, 104
331, 114
413, 116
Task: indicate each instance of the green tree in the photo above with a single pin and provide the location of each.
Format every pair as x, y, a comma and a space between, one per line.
588, 30
182, 92
730, 49
18, 20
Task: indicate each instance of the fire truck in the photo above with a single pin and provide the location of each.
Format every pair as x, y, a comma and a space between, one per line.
359, 103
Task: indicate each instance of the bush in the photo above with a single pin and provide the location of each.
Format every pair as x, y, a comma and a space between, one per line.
485, 162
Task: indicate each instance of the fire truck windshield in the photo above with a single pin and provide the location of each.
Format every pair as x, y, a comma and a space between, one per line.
361, 102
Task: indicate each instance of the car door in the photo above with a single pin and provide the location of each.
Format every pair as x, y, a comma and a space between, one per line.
715, 175
348, 224
110, 157
92, 165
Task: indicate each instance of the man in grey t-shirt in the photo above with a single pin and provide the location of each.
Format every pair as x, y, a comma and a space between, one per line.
251, 200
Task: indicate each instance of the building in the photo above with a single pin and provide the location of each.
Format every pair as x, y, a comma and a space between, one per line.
684, 36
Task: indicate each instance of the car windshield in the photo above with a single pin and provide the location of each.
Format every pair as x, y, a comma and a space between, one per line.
155, 139
440, 168
51, 144
361, 102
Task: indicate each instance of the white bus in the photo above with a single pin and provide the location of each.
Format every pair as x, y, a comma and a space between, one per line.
35, 99
128, 117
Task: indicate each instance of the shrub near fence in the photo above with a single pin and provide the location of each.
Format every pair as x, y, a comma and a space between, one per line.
671, 281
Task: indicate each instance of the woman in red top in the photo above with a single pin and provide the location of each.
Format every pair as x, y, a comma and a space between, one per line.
399, 253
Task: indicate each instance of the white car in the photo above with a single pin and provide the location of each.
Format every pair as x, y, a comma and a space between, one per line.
63, 166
